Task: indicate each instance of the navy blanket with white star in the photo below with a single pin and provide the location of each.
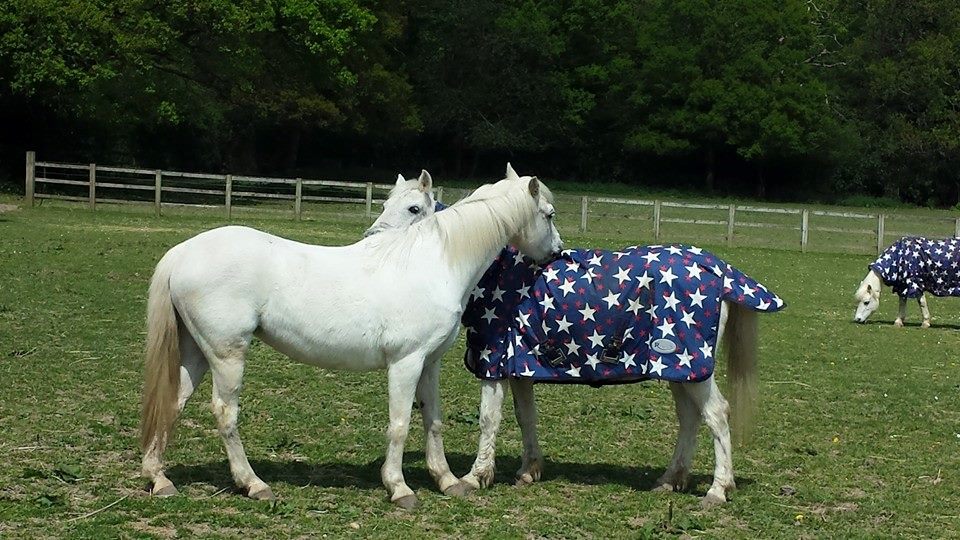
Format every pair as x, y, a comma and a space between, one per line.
916, 264
602, 317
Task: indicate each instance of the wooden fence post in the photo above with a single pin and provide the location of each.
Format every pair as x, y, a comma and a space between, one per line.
583, 214
730, 218
93, 186
804, 229
157, 180
228, 192
296, 202
369, 199
656, 220
880, 232
956, 228
31, 165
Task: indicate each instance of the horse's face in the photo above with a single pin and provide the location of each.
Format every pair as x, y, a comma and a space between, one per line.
409, 202
868, 300
540, 239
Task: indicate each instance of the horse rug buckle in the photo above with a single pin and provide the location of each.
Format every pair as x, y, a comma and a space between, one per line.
553, 355
611, 355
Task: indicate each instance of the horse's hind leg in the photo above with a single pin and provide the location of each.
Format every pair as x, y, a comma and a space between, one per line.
688, 415
525, 408
428, 393
715, 410
402, 379
923, 309
491, 412
193, 366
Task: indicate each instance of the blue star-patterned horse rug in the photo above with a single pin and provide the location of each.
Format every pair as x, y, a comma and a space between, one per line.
913, 265
601, 317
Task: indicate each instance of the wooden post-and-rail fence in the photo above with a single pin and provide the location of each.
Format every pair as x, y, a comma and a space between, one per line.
736, 216
139, 180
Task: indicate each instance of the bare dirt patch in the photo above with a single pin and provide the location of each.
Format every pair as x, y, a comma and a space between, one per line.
7, 208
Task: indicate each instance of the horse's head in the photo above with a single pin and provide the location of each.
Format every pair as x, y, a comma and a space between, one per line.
409, 202
868, 297
540, 239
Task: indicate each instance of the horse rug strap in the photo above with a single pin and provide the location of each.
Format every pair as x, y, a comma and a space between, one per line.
915, 264
602, 317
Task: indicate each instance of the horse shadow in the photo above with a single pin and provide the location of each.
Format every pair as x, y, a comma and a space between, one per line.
298, 473
908, 324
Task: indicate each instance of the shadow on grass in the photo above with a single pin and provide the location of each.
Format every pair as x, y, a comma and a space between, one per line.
933, 326
367, 475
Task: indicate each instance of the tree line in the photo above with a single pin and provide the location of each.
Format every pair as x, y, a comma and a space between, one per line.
788, 99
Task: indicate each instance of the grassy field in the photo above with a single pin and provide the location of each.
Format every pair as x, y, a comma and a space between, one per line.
858, 433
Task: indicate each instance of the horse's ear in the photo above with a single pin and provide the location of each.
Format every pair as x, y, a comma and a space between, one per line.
400, 180
511, 174
870, 289
426, 182
534, 187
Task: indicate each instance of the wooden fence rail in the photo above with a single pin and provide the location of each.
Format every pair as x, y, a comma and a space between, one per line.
731, 217
68, 174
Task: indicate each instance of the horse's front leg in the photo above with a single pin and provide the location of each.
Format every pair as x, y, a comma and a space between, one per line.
525, 408
923, 309
402, 378
902, 313
491, 411
715, 410
428, 392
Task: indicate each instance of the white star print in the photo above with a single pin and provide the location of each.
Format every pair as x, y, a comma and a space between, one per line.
547, 303
485, 354
498, 294
567, 288
612, 299
527, 372
588, 275
596, 339
596, 260
635, 305
622, 275
696, 299
550, 274
688, 319
524, 292
667, 277
707, 350
523, 319
587, 313
652, 312
477, 292
573, 372
651, 257
666, 328
674, 250
644, 280
564, 325
727, 283
488, 315
658, 367
572, 347
695, 250
748, 291
573, 266
685, 358
627, 360
592, 361
694, 270
671, 301
762, 305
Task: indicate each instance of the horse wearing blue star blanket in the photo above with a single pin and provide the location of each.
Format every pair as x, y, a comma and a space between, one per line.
596, 317
911, 267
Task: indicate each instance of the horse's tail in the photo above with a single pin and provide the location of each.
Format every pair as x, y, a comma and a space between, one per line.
162, 366
740, 349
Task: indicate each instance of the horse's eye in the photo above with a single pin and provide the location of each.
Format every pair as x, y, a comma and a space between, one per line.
866, 303
551, 215
414, 209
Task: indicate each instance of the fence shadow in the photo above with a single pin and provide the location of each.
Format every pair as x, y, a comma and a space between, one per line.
367, 475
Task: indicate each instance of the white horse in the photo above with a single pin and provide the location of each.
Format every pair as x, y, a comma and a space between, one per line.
392, 301
868, 300
694, 402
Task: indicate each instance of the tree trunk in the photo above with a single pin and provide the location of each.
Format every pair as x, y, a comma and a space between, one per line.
711, 167
761, 183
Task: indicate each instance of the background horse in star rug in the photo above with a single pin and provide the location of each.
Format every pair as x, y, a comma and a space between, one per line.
911, 266
608, 317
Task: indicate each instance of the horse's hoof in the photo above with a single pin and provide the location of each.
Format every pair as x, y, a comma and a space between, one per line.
926, 324
265, 494
665, 487
166, 491
407, 502
898, 323
524, 479
460, 489
710, 501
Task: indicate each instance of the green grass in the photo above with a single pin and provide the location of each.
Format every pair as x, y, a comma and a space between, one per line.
862, 421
